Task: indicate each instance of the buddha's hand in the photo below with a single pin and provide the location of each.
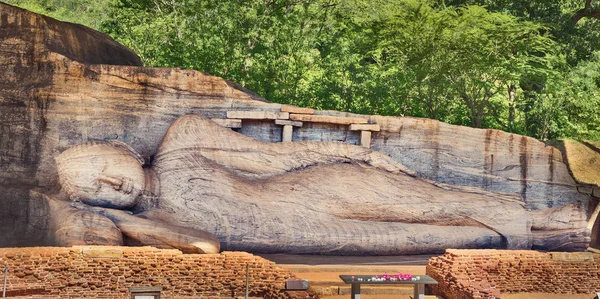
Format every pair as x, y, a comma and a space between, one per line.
381, 160
98, 210
82, 206
122, 184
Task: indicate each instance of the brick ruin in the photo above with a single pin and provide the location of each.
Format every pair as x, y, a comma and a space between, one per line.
108, 272
466, 274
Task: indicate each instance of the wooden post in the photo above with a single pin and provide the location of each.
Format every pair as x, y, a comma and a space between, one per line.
287, 133
247, 278
355, 291
419, 292
288, 128
365, 138
5, 276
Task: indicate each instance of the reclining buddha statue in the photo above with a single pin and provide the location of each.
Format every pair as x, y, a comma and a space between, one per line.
209, 188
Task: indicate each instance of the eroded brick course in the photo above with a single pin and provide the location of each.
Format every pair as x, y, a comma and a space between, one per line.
108, 272
466, 274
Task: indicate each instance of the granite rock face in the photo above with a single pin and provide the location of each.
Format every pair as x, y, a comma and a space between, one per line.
62, 85
208, 184
484, 158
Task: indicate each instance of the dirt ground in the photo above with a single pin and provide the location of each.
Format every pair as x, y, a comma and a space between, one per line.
374, 296
507, 296
320, 260
547, 296
504, 296
324, 270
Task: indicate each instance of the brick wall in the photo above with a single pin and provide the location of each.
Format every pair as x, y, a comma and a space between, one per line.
465, 274
107, 272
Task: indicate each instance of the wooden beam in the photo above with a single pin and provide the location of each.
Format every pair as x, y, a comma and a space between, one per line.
328, 119
295, 109
365, 127
283, 122
241, 114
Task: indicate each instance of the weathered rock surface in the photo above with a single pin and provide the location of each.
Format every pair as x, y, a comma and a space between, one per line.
72, 227
489, 159
583, 159
62, 85
140, 231
300, 197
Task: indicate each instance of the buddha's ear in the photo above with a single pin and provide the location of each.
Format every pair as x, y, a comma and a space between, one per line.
128, 148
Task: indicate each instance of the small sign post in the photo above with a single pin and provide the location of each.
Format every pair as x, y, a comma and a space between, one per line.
5, 277
145, 292
247, 278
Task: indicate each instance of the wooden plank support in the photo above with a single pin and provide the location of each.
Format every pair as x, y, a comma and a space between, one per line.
295, 109
288, 128
328, 119
241, 114
365, 127
287, 133
365, 138
283, 122
228, 123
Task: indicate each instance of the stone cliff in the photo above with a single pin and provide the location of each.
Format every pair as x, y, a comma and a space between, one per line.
63, 84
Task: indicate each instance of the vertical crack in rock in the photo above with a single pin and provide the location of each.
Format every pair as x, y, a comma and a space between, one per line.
550, 189
487, 168
436, 150
523, 163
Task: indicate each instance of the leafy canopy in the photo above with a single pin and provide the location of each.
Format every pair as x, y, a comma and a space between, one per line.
516, 65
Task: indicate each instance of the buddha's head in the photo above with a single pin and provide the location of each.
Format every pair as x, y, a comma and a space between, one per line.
107, 174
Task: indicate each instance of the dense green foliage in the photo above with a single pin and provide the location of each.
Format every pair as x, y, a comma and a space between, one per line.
520, 66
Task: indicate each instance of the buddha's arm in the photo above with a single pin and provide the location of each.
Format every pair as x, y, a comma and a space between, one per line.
156, 233
314, 153
70, 226
246, 155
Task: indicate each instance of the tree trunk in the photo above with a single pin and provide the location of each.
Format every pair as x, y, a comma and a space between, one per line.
476, 111
586, 12
511, 107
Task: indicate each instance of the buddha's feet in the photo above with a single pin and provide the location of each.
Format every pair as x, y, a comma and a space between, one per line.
570, 216
562, 240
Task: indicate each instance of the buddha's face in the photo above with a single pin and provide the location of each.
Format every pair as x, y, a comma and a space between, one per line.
101, 174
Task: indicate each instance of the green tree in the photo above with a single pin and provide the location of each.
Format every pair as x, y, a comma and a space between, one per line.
521, 66
85, 12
